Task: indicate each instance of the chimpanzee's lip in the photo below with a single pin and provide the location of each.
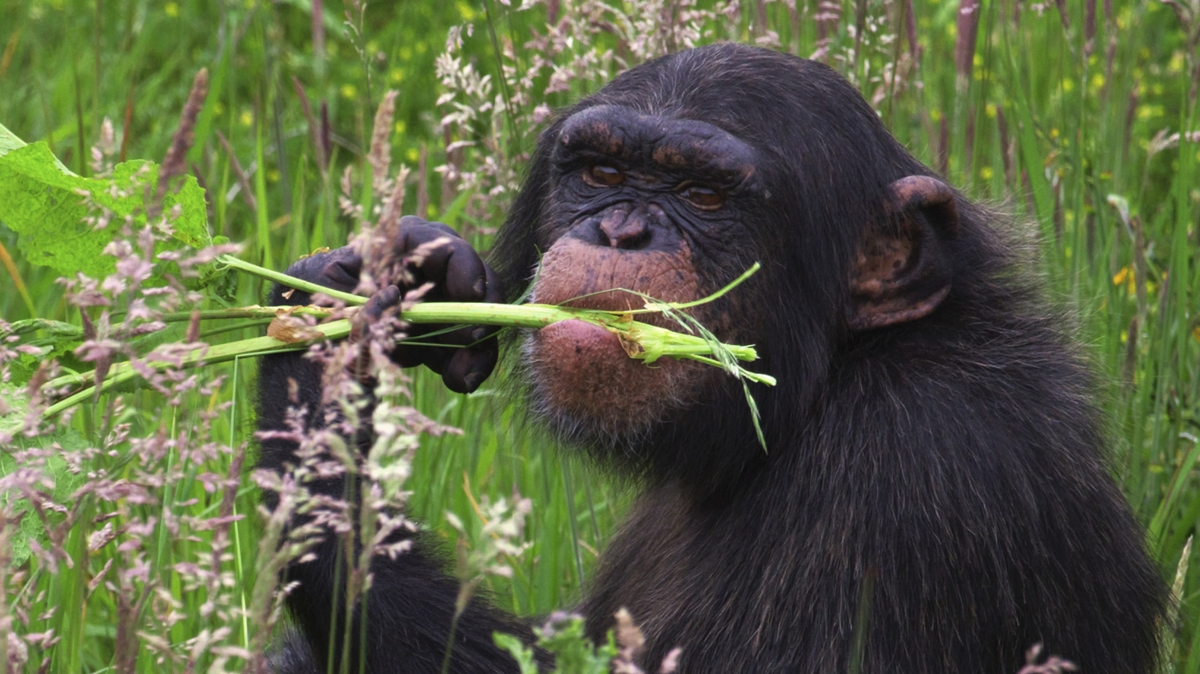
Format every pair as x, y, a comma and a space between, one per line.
586, 336
585, 382
615, 299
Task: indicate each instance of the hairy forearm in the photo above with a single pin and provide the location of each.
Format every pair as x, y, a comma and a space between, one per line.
408, 622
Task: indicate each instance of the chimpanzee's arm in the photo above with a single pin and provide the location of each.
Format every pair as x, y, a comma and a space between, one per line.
410, 605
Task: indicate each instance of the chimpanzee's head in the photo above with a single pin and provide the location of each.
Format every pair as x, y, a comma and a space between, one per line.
671, 182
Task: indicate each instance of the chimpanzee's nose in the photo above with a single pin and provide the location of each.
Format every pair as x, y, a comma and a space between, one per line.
626, 229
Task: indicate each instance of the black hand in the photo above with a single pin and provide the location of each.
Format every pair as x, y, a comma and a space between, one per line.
457, 275
336, 269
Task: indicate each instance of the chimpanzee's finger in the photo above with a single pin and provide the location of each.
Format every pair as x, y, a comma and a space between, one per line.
467, 368
459, 274
418, 232
432, 357
468, 336
464, 274
470, 366
341, 269
415, 233
338, 269
453, 267
373, 311
474, 335
427, 352
495, 289
413, 222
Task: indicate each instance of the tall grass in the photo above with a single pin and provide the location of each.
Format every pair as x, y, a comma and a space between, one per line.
1079, 115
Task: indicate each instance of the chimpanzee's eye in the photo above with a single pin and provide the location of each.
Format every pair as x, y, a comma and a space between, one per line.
603, 175
703, 197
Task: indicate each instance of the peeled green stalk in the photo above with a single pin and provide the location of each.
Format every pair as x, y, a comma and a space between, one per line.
641, 341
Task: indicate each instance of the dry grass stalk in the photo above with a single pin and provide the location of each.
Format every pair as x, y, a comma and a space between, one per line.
175, 163
1064, 15
380, 154
1089, 28
318, 134
239, 174
964, 47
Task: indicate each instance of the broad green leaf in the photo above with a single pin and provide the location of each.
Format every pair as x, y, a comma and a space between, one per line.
43, 203
9, 141
64, 481
56, 340
13, 410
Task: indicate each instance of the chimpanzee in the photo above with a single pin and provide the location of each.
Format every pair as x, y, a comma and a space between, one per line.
932, 496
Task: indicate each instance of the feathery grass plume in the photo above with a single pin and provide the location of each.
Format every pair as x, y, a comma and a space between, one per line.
103, 151
1170, 634
1052, 665
498, 547
964, 46
1189, 21
1089, 28
367, 520
13, 655
393, 203
910, 31
380, 153
829, 13
571, 57
175, 162
121, 507
103, 507
631, 642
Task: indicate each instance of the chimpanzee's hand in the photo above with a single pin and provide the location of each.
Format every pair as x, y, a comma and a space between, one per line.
458, 274
336, 269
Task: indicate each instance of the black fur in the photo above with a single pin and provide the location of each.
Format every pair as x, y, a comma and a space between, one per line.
411, 605
933, 497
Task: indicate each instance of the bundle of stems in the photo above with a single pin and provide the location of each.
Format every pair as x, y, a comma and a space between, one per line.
642, 341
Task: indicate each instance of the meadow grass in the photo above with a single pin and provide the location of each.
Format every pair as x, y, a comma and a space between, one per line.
1080, 117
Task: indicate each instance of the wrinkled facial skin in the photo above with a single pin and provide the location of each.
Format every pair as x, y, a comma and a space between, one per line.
646, 204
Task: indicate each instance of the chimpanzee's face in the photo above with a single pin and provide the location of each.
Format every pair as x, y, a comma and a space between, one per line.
641, 207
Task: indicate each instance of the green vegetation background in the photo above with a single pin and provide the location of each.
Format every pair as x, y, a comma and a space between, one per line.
1067, 113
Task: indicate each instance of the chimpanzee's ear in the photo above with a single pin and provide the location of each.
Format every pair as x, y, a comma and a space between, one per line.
902, 270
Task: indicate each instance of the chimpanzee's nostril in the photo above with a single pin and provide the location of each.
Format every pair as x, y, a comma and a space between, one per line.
624, 230
630, 239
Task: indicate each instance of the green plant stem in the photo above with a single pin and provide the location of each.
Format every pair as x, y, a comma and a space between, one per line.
120, 373
290, 281
641, 341
652, 341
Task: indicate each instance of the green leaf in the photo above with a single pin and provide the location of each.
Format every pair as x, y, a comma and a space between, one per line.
14, 409
43, 202
56, 468
9, 141
573, 652
520, 652
56, 340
